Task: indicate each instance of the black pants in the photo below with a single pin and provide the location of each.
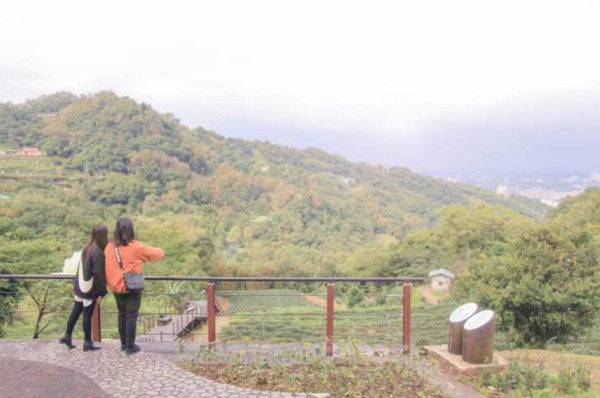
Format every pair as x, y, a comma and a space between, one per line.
129, 307
88, 311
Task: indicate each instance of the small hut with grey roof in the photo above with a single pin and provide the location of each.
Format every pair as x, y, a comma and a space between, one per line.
441, 279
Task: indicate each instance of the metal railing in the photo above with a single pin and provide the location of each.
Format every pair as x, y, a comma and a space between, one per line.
211, 301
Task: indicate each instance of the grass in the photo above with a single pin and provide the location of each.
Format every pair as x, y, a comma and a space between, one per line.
524, 380
15, 168
286, 315
274, 315
556, 361
26, 165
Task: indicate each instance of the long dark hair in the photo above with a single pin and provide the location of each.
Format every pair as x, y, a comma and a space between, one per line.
123, 232
98, 239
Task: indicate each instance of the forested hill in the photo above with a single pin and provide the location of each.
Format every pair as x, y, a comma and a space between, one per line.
234, 205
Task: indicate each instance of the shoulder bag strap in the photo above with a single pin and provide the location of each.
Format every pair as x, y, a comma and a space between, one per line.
118, 256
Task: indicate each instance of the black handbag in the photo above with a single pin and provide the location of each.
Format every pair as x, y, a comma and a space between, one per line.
133, 281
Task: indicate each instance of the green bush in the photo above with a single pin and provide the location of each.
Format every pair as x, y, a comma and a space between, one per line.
355, 297
522, 380
583, 378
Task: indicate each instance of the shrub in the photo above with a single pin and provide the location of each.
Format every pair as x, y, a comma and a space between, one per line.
566, 381
355, 297
522, 380
583, 378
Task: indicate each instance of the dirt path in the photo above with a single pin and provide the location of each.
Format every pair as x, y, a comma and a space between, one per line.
430, 296
322, 302
224, 303
200, 334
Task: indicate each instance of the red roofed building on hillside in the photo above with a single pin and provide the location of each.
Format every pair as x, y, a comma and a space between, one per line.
29, 152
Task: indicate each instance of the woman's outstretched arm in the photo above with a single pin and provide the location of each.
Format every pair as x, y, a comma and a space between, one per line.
148, 253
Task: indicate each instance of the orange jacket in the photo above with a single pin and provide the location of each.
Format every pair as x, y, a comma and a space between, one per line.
133, 256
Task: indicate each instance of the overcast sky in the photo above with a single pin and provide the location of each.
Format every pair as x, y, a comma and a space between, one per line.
437, 86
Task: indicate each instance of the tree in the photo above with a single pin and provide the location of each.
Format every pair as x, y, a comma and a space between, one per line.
546, 287
234, 234
464, 234
49, 297
38, 256
206, 248
580, 211
57, 146
9, 302
174, 295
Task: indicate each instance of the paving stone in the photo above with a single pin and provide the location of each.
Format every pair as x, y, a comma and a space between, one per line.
141, 375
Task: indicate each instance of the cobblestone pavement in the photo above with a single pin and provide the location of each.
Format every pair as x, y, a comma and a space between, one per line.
140, 375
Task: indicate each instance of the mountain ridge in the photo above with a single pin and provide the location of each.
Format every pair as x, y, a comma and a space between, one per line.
254, 200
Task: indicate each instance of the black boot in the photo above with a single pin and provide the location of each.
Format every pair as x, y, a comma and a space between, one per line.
66, 340
123, 347
133, 349
89, 346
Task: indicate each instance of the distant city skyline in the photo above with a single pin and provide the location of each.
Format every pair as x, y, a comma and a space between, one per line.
458, 86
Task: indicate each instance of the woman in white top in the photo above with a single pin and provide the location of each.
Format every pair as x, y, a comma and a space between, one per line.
90, 285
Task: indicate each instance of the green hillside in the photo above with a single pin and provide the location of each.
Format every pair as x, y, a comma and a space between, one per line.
224, 206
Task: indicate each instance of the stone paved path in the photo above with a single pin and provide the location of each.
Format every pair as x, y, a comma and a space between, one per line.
140, 375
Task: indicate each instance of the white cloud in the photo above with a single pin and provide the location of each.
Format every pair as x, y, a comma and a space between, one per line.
374, 66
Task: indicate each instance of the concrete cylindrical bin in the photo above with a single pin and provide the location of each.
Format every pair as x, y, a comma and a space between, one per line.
478, 338
455, 326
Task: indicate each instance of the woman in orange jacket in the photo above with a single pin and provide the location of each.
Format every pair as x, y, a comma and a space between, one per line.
133, 255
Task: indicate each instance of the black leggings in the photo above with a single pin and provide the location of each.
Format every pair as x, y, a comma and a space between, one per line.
88, 311
129, 306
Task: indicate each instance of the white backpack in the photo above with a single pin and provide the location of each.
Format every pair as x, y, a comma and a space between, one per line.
72, 263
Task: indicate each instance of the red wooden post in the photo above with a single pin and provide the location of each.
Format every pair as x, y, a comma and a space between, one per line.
210, 303
406, 317
330, 305
96, 324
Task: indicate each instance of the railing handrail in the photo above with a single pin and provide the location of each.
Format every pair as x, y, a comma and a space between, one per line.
211, 298
235, 278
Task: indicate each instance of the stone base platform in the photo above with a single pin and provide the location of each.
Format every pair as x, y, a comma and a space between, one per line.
455, 364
